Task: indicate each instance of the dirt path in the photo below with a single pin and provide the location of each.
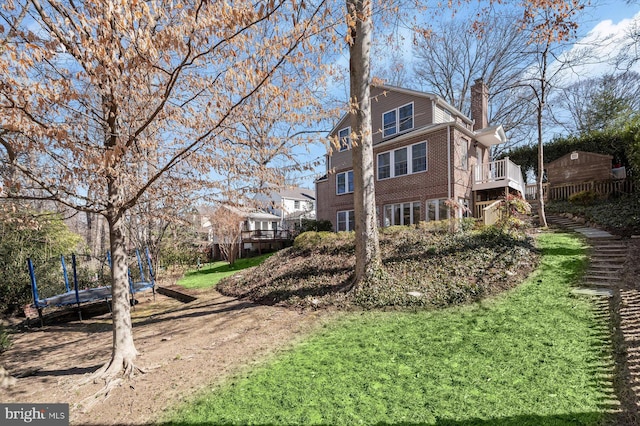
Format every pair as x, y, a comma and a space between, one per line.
184, 347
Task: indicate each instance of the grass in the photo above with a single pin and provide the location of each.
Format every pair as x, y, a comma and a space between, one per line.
211, 273
533, 356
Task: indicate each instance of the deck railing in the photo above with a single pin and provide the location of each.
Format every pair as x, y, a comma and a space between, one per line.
500, 172
564, 191
488, 211
266, 234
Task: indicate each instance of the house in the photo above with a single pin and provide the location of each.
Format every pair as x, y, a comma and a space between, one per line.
258, 231
425, 153
292, 205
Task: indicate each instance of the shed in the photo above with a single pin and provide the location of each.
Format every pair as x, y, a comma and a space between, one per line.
579, 166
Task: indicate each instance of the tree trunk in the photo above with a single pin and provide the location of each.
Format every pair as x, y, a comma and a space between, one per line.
542, 217
541, 104
124, 352
366, 227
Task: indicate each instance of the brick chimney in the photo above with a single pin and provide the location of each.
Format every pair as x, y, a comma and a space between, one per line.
480, 104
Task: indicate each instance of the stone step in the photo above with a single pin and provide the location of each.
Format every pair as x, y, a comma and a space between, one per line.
603, 279
610, 259
603, 271
599, 283
602, 292
597, 275
616, 246
605, 266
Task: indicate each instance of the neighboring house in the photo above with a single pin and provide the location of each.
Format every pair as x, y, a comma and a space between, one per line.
425, 153
292, 205
259, 231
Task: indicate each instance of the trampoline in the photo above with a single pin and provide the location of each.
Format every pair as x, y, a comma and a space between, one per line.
76, 296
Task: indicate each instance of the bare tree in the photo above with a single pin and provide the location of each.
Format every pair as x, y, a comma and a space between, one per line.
548, 24
454, 54
134, 99
227, 231
598, 103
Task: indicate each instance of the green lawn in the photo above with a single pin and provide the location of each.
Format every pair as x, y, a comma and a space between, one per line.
533, 356
211, 273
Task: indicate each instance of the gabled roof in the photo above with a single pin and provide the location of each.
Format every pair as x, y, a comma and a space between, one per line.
249, 213
431, 96
298, 194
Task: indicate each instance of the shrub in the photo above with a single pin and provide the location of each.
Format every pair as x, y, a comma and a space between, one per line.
314, 225
584, 198
41, 236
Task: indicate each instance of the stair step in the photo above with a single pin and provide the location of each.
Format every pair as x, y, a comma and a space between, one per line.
607, 267
604, 292
598, 283
602, 276
613, 259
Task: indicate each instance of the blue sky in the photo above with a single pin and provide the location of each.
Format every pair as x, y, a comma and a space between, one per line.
599, 20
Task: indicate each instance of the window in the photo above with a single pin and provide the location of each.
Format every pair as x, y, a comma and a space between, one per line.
407, 160
406, 117
400, 162
296, 204
464, 210
464, 154
398, 120
344, 136
401, 214
389, 123
346, 220
437, 210
419, 157
344, 182
384, 165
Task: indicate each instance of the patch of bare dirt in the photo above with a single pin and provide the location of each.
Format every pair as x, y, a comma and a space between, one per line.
183, 347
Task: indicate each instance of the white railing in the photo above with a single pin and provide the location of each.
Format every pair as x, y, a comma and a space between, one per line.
492, 213
488, 211
499, 173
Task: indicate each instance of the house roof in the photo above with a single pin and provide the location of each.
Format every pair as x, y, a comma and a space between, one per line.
252, 213
431, 96
298, 194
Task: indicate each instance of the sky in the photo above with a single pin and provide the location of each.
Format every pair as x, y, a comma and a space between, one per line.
601, 28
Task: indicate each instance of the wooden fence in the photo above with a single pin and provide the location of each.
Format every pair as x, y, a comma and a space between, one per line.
563, 192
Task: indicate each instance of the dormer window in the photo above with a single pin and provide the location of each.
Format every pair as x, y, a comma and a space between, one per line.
397, 120
344, 137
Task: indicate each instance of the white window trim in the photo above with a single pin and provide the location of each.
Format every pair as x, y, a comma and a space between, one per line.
348, 212
346, 182
392, 169
437, 210
412, 219
348, 145
397, 114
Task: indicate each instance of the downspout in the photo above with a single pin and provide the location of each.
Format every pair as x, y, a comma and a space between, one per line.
449, 162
